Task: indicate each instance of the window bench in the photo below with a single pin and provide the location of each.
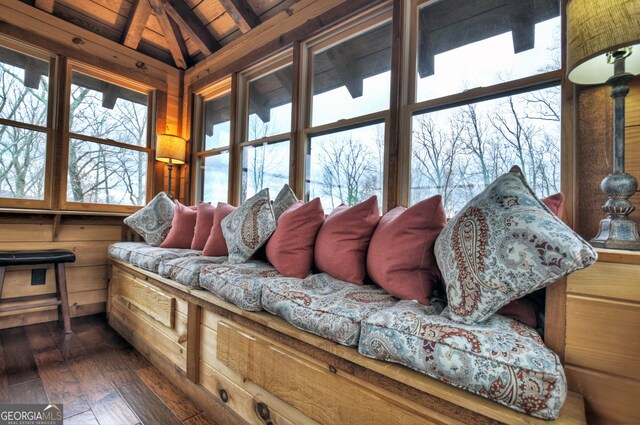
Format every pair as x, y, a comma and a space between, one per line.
246, 367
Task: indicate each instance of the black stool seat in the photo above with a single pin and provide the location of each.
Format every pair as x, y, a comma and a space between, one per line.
26, 258
57, 257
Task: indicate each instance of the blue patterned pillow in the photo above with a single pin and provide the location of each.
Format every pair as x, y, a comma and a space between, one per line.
504, 244
284, 199
249, 227
153, 222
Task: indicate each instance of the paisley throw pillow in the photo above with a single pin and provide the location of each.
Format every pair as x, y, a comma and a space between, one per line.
503, 245
249, 227
153, 222
284, 199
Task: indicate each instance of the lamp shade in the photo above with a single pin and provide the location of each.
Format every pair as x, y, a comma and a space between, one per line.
171, 149
596, 27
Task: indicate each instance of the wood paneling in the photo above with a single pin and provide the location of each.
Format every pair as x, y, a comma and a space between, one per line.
86, 278
151, 301
603, 318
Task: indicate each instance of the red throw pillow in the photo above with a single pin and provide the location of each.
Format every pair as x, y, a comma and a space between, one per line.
290, 249
341, 245
555, 203
182, 227
216, 246
204, 223
522, 309
401, 257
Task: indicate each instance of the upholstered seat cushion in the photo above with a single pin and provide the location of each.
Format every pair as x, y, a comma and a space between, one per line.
240, 284
30, 257
122, 250
186, 270
149, 258
324, 305
500, 358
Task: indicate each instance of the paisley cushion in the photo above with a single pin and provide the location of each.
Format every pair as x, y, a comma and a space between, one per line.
122, 250
186, 270
504, 244
153, 222
284, 199
248, 228
500, 359
240, 284
149, 258
324, 305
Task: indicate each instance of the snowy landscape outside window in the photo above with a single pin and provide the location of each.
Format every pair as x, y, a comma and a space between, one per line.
108, 157
24, 126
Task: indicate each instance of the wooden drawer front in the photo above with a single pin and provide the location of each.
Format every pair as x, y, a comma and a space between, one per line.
156, 317
603, 335
243, 395
610, 280
325, 395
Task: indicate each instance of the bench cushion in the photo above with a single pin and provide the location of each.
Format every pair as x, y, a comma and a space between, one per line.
240, 284
324, 305
122, 250
149, 258
500, 359
186, 270
47, 256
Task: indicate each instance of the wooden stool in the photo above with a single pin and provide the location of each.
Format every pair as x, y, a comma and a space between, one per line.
57, 257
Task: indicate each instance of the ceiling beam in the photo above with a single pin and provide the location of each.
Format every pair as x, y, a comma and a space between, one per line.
46, 5
345, 67
172, 34
188, 21
241, 13
135, 24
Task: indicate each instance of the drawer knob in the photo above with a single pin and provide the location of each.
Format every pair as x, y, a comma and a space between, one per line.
262, 410
224, 396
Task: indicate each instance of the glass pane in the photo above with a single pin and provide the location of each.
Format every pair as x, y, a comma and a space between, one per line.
346, 167
24, 88
215, 178
22, 163
217, 122
352, 78
264, 166
103, 174
463, 45
107, 111
458, 152
270, 104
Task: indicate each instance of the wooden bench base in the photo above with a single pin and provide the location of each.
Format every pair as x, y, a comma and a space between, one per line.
259, 369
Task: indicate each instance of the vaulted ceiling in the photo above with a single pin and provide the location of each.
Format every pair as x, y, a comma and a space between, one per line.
178, 32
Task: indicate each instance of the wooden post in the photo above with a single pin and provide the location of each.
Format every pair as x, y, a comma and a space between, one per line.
194, 313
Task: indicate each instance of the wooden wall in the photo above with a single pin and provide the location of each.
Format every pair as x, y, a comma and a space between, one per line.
87, 278
594, 150
88, 236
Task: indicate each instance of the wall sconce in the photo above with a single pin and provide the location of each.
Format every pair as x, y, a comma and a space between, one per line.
603, 45
171, 150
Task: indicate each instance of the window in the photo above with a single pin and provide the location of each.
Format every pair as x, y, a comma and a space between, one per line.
490, 98
25, 127
214, 156
265, 150
350, 94
109, 155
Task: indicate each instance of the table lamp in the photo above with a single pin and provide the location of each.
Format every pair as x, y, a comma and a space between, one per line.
603, 46
170, 149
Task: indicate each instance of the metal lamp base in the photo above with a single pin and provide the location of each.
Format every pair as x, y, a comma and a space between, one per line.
617, 233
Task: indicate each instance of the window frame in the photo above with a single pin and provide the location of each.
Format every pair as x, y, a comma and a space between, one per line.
49, 129
477, 94
362, 23
199, 154
150, 92
263, 69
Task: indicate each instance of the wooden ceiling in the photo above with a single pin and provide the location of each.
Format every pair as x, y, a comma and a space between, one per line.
178, 32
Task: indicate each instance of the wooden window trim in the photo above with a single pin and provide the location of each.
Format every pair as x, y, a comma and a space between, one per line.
75, 66
28, 50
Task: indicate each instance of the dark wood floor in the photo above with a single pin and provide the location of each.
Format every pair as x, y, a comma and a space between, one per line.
94, 373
